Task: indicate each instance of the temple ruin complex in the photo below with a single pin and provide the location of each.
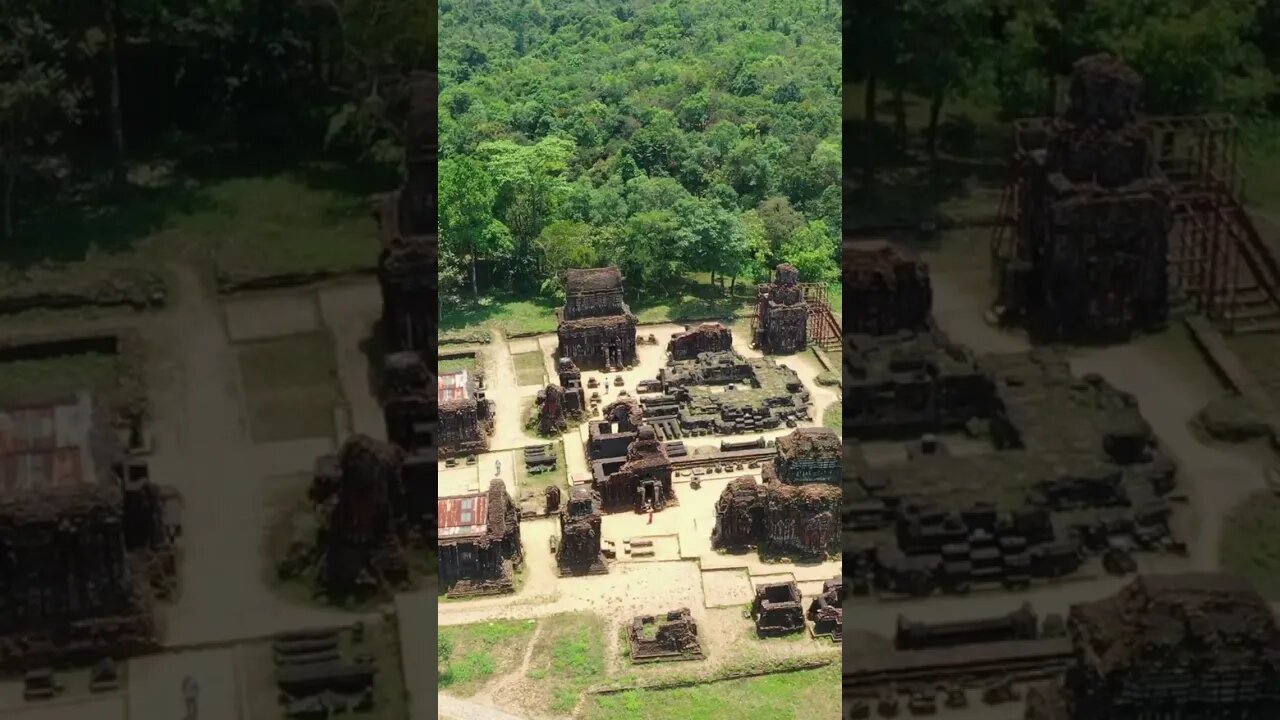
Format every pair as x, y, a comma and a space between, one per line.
664, 638
595, 327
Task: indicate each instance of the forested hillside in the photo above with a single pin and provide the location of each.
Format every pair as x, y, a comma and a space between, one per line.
666, 136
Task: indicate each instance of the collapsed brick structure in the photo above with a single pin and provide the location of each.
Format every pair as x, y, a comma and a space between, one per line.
1095, 215
776, 609
707, 337
908, 383
784, 314
796, 508
724, 393
808, 455
579, 552
466, 417
643, 480
359, 496
595, 327
1070, 467
673, 636
408, 263
1174, 646
85, 544
826, 611
887, 288
479, 542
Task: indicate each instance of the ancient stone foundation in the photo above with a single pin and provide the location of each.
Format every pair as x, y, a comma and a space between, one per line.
664, 638
579, 552
595, 327
777, 610
784, 313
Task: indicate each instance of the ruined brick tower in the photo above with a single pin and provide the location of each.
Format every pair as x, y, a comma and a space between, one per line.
595, 327
783, 313
579, 552
1093, 218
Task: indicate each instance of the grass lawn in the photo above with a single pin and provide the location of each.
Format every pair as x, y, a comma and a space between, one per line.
267, 226
252, 220
530, 368
785, 696
50, 378
508, 315
1250, 544
454, 364
568, 657
833, 417
291, 385
536, 483
482, 651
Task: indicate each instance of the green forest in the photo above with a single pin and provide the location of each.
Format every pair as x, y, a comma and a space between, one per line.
673, 138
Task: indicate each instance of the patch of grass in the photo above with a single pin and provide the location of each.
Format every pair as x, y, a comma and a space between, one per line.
785, 696
50, 378
536, 483
454, 364
833, 417
281, 226
1250, 544
466, 317
530, 368
291, 386
482, 651
568, 657
465, 337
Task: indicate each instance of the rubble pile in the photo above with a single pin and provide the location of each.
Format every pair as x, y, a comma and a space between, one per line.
826, 612
909, 383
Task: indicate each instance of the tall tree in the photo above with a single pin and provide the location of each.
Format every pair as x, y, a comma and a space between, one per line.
468, 228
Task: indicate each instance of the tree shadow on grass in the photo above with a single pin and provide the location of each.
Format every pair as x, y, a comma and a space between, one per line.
910, 189
66, 230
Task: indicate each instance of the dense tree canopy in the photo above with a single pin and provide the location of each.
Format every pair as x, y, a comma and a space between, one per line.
665, 137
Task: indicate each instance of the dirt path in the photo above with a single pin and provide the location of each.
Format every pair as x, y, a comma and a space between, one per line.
203, 450
509, 399
508, 685
455, 709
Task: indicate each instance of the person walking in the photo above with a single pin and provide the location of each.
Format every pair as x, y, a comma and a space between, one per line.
191, 697
497, 467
